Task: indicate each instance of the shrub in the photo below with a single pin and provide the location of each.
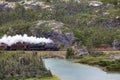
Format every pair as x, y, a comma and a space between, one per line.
104, 63
69, 53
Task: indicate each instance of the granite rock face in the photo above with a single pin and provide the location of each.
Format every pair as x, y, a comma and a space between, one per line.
64, 39
61, 38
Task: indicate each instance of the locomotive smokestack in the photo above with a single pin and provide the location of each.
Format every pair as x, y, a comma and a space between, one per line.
10, 40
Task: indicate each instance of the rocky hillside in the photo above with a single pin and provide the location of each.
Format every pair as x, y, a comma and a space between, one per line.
90, 22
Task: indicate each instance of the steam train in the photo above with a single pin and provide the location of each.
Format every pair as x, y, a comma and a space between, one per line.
28, 46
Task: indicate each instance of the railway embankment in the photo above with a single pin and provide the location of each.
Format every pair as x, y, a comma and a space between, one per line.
43, 54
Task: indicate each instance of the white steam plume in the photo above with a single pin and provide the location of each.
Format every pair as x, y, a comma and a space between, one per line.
10, 40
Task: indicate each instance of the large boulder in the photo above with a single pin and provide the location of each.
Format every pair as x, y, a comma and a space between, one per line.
79, 50
95, 3
116, 44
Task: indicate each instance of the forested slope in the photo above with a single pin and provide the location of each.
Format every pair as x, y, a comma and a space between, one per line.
92, 22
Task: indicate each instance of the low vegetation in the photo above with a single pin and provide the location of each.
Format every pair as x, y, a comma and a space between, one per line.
46, 78
69, 53
101, 59
19, 65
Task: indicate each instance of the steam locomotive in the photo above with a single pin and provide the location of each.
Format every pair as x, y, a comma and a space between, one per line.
28, 46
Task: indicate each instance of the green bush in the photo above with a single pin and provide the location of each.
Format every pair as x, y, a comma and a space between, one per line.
115, 2
69, 53
114, 66
104, 63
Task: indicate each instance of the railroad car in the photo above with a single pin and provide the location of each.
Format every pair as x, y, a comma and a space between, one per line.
28, 46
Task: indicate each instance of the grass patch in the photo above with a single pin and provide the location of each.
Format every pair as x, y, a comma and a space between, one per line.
46, 53
103, 60
41, 53
45, 78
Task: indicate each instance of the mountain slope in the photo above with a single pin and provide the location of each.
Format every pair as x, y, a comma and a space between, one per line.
92, 22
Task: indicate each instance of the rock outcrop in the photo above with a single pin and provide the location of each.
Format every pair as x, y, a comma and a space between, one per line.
95, 3
4, 5
79, 51
56, 34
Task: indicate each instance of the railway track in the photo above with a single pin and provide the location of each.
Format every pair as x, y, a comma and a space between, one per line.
45, 54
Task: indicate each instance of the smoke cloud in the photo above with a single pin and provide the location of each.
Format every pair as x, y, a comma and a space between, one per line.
10, 40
